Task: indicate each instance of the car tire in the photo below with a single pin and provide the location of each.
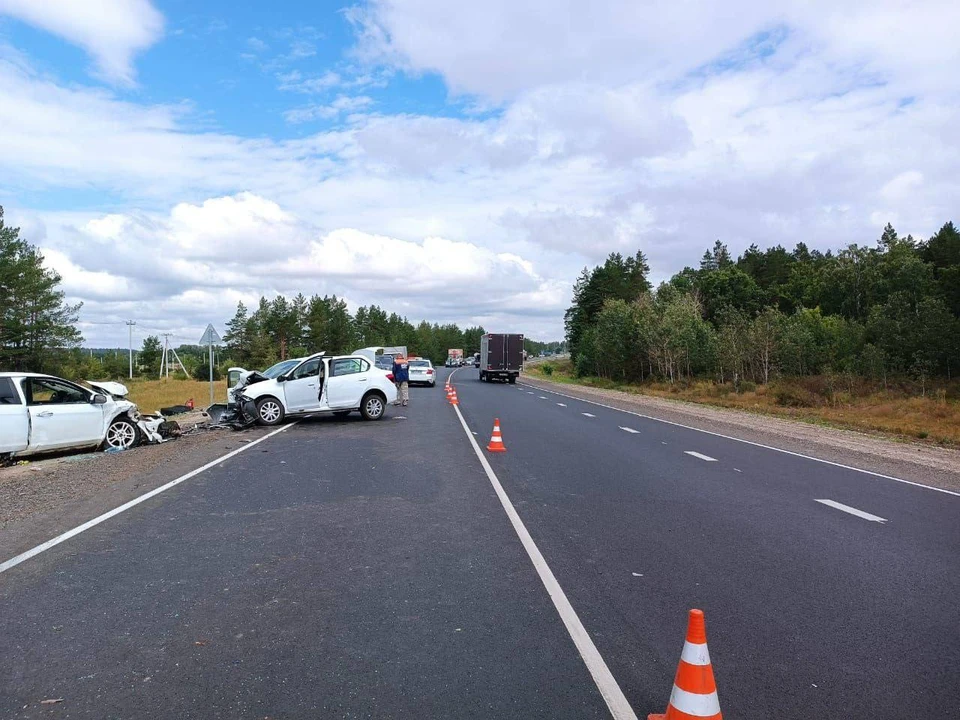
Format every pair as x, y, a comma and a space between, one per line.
122, 434
269, 411
373, 406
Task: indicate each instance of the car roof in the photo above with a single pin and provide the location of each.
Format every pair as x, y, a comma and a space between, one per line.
26, 374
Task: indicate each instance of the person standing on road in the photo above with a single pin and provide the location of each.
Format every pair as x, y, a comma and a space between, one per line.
401, 376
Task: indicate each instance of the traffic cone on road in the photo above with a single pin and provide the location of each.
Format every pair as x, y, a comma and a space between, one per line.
694, 689
453, 398
496, 442
450, 393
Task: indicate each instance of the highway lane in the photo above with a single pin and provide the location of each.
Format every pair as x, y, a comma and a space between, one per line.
340, 569
811, 611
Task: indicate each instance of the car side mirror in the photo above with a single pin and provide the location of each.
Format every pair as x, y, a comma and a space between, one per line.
99, 399
281, 378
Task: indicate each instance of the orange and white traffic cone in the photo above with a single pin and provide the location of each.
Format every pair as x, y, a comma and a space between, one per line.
454, 400
496, 442
694, 695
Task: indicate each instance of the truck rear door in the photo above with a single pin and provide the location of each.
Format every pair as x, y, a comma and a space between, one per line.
14, 420
497, 353
513, 352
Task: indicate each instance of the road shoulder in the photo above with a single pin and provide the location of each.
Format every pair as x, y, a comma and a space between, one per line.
935, 467
43, 499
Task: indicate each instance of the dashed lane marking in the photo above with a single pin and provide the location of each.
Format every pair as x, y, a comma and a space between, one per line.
630, 430
852, 510
706, 458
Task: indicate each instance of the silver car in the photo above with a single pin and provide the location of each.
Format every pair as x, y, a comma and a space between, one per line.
422, 373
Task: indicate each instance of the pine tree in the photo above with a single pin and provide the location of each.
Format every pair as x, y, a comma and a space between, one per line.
34, 319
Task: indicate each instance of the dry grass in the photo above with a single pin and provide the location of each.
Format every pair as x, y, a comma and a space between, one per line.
896, 411
151, 395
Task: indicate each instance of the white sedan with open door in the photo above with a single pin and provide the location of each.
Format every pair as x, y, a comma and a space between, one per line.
319, 384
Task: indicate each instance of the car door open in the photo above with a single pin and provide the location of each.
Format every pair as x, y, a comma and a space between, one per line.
347, 383
303, 386
14, 422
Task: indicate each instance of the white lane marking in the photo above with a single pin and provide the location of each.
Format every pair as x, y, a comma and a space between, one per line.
562, 404
759, 445
630, 430
543, 397
529, 393
53, 542
587, 415
662, 442
698, 455
738, 469
616, 701
852, 510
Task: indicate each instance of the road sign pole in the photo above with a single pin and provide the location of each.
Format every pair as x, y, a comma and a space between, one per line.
211, 373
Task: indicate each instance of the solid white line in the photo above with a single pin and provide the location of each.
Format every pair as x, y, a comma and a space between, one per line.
587, 415
756, 444
698, 455
852, 511
630, 430
14, 561
606, 683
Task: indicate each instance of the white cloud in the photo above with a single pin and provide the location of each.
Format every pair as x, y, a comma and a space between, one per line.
296, 82
112, 31
182, 269
343, 104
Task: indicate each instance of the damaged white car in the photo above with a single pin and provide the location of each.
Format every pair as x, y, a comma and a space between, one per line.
41, 413
316, 384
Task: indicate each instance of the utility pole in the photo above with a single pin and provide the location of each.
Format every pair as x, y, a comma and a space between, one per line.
165, 363
130, 324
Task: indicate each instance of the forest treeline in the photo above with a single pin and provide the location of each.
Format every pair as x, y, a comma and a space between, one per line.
876, 311
282, 328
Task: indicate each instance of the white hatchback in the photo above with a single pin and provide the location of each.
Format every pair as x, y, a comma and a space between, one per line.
320, 384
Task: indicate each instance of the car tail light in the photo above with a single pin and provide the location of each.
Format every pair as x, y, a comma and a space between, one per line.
429, 372
489, 367
390, 377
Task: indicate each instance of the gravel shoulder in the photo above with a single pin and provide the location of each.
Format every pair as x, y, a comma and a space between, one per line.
933, 466
43, 498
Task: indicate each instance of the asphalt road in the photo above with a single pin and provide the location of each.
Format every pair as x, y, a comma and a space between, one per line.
348, 570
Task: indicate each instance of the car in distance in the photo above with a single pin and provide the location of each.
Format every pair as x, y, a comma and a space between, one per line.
338, 384
422, 373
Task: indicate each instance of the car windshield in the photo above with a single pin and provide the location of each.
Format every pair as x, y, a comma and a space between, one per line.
275, 371
420, 363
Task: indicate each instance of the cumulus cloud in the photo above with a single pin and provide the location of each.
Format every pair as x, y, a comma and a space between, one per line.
112, 31
181, 269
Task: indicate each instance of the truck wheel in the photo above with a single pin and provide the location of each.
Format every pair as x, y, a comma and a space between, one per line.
373, 406
121, 435
513, 380
269, 411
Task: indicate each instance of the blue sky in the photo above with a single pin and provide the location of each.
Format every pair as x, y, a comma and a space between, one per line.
172, 158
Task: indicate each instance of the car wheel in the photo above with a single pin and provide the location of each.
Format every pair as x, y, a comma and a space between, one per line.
373, 406
121, 435
342, 414
269, 411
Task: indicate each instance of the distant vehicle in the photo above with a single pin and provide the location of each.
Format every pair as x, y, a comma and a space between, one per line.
422, 372
40, 413
382, 357
454, 357
318, 384
501, 357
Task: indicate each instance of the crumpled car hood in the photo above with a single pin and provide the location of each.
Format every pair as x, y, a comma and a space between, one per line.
114, 389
